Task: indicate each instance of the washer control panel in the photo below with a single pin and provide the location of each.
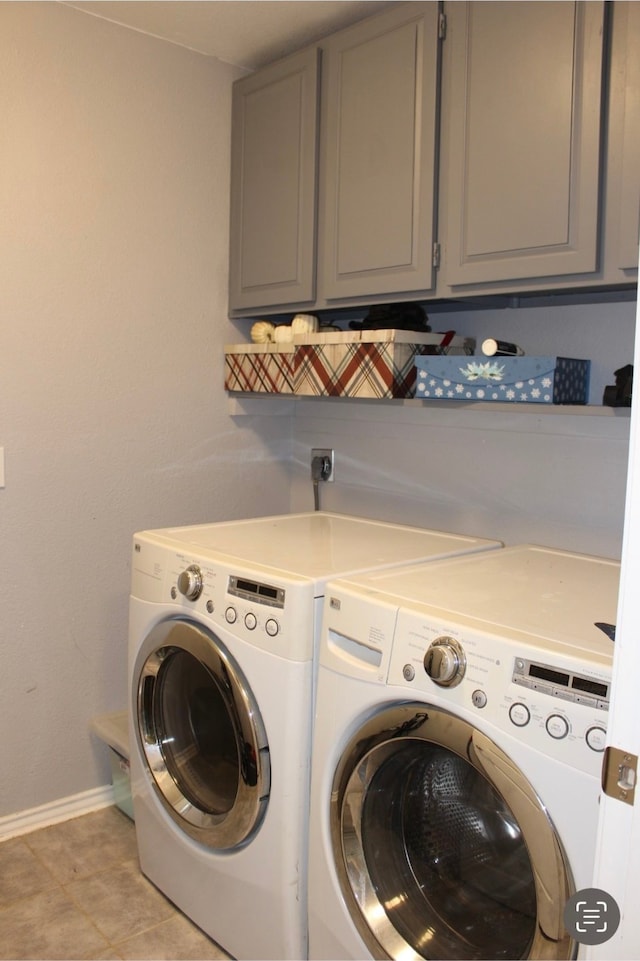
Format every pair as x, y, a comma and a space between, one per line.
555, 702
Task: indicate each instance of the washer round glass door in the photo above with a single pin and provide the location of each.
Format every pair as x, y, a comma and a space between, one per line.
442, 848
202, 735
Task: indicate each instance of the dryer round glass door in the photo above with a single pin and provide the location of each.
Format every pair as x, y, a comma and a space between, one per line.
442, 848
202, 735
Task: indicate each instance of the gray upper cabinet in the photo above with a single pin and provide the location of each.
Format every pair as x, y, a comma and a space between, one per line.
378, 154
623, 205
522, 108
273, 184
509, 148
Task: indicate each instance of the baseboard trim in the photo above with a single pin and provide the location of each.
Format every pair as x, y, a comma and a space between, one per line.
13, 825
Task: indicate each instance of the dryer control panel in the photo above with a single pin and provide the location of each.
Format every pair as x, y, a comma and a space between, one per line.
277, 615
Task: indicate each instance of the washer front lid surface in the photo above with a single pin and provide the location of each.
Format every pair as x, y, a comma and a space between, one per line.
202, 736
442, 848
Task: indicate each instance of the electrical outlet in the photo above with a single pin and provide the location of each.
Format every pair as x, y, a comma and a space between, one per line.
325, 452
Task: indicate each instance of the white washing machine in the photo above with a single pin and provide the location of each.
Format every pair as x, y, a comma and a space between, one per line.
223, 622
460, 725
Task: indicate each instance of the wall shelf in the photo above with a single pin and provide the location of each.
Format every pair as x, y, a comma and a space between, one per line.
272, 405
582, 410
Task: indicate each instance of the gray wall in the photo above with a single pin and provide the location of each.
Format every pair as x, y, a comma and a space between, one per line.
114, 191
522, 475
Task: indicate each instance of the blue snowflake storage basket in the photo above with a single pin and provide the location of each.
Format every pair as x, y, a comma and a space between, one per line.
528, 380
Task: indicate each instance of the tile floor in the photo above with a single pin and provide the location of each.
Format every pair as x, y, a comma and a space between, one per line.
74, 890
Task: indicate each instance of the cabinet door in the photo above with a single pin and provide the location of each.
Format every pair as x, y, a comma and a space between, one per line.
521, 139
629, 63
273, 184
379, 115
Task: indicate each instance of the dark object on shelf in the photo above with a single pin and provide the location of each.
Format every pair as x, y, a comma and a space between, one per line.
393, 317
620, 395
609, 629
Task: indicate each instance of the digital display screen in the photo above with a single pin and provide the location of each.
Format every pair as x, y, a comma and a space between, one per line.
546, 674
265, 591
590, 687
247, 586
260, 589
550, 677
262, 593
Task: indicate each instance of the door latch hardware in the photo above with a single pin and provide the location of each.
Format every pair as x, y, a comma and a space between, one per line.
619, 774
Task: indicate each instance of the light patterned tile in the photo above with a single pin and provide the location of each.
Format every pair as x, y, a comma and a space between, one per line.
48, 926
21, 874
85, 845
120, 901
174, 940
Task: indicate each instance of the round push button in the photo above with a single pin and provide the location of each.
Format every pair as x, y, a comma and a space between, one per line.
595, 738
408, 672
519, 714
479, 699
557, 726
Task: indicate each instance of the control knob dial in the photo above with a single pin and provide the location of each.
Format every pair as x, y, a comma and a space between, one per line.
445, 661
190, 582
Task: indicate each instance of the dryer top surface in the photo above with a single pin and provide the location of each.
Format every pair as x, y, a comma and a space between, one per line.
551, 595
317, 545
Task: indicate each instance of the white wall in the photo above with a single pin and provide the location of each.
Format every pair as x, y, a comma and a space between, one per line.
527, 475
114, 188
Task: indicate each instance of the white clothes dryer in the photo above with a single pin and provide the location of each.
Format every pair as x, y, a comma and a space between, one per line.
224, 619
459, 735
